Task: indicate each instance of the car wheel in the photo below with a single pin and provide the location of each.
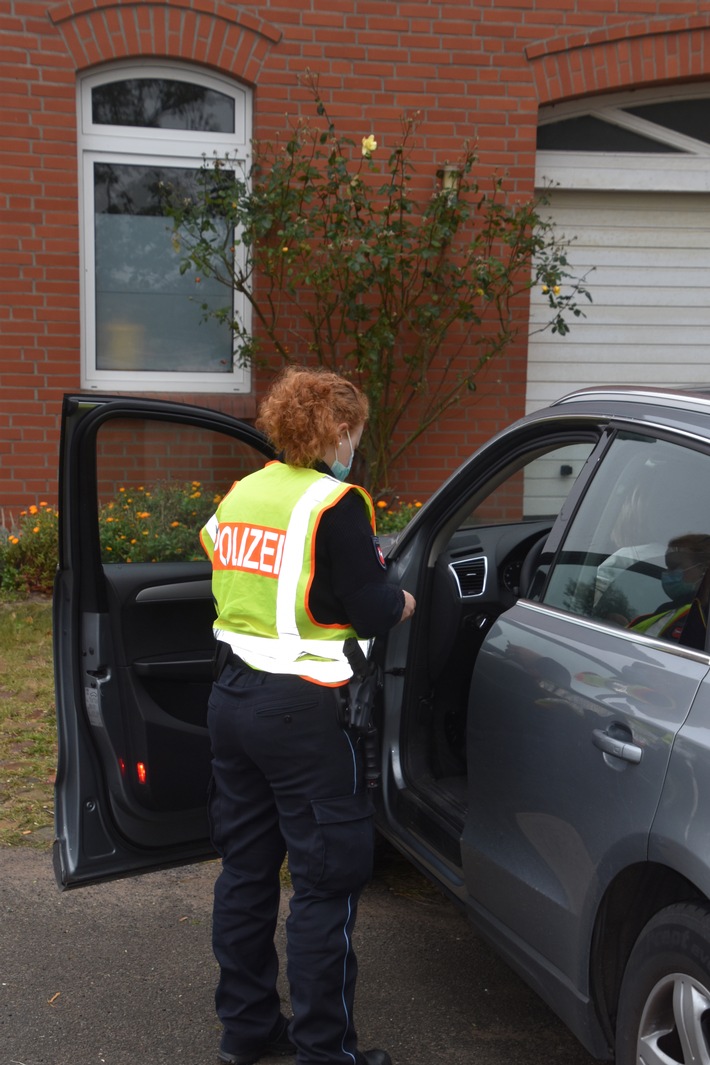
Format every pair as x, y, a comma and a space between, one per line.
664, 1006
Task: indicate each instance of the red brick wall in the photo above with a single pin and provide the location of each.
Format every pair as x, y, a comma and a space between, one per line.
477, 70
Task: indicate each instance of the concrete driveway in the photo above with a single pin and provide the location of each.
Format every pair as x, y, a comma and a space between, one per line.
123, 974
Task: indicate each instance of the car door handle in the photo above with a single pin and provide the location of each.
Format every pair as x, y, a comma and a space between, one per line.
630, 752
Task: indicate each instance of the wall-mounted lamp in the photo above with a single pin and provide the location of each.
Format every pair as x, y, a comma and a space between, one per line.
449, 176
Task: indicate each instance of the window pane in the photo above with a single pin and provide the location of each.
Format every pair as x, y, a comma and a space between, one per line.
684, 116
613, 560
148, 316
162, 103
589, 134
158, 482
535, 491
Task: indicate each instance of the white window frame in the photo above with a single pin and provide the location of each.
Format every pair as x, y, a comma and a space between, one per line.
685, 170
170, 148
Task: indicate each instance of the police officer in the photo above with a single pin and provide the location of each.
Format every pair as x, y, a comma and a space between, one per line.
296, 570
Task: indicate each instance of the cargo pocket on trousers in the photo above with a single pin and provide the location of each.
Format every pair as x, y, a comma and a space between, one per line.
347, 834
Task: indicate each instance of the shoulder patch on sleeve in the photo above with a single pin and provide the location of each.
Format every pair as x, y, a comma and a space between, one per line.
378, 552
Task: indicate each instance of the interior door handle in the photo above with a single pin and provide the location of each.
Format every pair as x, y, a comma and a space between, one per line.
630, 752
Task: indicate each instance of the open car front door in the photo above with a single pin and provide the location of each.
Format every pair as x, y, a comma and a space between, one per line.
133, 614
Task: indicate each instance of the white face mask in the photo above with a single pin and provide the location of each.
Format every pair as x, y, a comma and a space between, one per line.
338, 469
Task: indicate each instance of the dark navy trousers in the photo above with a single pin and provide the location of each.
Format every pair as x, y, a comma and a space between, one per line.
286, 778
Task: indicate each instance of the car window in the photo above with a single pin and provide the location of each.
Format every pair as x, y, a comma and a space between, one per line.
158, 482
645, 497
533, 490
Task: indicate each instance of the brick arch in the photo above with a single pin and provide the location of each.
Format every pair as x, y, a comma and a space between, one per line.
98, 31
623, 57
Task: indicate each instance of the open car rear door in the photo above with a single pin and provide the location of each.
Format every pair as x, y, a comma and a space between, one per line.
133, 614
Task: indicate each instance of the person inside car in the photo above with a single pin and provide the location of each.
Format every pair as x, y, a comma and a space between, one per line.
686, 581
297, 569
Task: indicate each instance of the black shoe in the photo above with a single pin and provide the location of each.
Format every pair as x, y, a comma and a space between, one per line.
279, 1043
376, 1057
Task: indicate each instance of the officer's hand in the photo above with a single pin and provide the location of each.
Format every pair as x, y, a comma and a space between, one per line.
409, 605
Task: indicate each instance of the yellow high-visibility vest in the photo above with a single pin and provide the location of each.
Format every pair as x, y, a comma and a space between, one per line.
261, 542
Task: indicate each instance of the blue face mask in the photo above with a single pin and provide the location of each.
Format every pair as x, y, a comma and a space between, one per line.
338, 469
676, 587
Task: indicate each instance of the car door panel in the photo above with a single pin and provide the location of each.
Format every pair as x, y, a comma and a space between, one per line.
553, 815
133, 639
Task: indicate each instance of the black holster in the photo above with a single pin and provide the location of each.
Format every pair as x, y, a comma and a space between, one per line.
359, 701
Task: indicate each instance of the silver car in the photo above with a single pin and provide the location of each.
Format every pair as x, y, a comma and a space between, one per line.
543, 718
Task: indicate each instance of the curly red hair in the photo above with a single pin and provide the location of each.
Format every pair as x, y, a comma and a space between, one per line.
304, 408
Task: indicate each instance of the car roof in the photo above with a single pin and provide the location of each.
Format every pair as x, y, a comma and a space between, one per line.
692, 398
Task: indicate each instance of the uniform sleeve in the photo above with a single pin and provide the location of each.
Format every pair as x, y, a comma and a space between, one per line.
347, 554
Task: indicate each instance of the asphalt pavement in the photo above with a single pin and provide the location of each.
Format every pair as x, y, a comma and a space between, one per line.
123, 974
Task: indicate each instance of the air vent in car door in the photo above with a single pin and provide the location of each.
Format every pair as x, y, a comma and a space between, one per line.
470, 574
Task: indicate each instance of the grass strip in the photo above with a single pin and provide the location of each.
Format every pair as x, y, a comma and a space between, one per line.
28, 738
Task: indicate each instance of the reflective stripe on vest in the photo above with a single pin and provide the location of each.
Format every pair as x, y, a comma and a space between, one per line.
658, 624
269, 553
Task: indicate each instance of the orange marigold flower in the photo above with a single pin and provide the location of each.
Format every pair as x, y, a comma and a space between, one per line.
33, 509
143, 514
174, 524
43, 504
36, 529
381, 504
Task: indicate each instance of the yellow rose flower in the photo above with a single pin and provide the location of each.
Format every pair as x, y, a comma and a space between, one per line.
369, 145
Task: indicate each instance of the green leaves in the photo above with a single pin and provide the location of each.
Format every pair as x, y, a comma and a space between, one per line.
355, 256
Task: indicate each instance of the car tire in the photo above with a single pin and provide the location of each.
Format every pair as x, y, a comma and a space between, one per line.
664, 1006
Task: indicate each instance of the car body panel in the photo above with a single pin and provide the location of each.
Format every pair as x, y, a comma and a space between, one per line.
686, 799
